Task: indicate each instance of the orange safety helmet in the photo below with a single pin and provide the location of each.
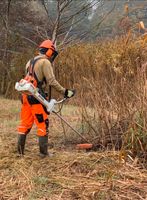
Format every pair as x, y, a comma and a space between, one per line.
47, 47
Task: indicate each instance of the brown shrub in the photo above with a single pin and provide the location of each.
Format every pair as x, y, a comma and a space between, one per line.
110, 78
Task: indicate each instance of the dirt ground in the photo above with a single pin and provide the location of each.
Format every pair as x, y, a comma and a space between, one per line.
70, 174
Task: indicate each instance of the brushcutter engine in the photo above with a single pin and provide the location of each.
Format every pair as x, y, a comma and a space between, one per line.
28, 88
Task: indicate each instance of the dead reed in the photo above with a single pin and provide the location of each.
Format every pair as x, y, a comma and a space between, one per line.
110, 78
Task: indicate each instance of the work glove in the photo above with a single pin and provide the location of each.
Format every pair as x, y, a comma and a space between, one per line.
69, 93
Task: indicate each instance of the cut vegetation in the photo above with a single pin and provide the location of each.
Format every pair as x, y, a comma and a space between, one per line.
70, 174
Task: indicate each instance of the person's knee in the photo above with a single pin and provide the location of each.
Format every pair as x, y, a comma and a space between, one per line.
39, 118
42, 132
43, 128
42, 124
23, 129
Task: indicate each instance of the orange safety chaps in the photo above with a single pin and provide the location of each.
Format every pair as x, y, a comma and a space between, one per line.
31, 114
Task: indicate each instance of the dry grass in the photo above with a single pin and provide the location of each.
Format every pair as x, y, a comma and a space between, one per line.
70, 174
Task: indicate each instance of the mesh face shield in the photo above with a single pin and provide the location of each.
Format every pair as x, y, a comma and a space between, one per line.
54, 55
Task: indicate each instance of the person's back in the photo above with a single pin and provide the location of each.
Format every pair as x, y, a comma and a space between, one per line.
44, 72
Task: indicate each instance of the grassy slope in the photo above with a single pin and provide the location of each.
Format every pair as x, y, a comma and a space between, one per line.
70, 174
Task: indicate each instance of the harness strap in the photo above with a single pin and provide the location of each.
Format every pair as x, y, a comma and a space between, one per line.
50, 93
32, 72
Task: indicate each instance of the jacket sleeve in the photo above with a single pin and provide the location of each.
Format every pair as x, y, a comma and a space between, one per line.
50, 77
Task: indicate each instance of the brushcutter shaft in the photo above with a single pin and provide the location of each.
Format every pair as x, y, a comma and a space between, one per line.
71, 126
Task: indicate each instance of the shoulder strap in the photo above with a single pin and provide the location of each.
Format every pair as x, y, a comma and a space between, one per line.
31, 71
32, 64
50, 93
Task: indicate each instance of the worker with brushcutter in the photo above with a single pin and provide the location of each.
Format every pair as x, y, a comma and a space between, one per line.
39, 72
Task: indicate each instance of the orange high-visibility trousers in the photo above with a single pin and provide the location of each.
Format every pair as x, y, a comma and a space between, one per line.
31, 114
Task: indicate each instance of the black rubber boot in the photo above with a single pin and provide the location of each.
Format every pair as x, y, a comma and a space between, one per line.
43, 145
21, 144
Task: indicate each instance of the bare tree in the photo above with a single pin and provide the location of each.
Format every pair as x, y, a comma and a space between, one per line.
68, 20
5, 58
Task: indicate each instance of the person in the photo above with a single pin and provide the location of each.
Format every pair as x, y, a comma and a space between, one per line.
32, 111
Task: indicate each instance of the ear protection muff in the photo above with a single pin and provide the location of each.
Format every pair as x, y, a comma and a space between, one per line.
49, 53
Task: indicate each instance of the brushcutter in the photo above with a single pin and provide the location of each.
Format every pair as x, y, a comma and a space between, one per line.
28, 88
